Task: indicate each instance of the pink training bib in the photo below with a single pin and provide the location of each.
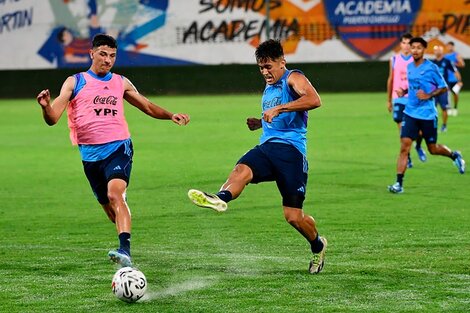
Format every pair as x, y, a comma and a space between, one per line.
96, 114
400, 78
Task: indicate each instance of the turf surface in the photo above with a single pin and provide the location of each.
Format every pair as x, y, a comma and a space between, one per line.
387, 253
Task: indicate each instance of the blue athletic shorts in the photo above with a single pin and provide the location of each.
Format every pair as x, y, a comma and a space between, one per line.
443, 101
117, 165
282, 163
398, 109
411, 126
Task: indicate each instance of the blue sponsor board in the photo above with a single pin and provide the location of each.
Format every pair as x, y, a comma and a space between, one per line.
373, 27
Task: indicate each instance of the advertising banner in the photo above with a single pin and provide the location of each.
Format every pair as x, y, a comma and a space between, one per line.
41, 34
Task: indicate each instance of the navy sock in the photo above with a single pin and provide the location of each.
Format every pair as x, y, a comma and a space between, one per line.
418, 142
400, 178
125, 242
316, 245
453, 156
224, 195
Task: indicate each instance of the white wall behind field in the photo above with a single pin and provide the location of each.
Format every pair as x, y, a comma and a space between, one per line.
197, 31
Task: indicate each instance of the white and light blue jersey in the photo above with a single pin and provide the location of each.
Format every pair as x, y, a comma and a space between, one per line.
426, 77
287, 127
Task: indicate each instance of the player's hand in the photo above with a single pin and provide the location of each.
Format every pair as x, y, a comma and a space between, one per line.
253, 123
268, 115
422, 95
180, 119
400, 92
44, 98
389, 106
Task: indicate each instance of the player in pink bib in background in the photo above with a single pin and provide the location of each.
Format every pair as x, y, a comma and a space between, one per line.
398, 79
94, 102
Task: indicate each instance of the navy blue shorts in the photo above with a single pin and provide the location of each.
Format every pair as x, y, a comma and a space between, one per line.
443, 100
451, 85
398, 109
117, 165
411, 126
282, 163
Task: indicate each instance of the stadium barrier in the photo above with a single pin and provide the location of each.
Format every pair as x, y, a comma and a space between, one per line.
210, 79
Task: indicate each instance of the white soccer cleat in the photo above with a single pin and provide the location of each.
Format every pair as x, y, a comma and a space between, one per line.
318, 259
396, 188
206, 200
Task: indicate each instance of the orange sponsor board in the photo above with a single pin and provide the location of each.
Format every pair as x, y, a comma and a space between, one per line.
372, 28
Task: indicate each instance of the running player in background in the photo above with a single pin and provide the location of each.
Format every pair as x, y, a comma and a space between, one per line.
445, 68
455, 84
420, 115
397, 78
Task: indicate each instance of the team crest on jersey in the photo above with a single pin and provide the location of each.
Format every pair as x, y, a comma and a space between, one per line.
372, 27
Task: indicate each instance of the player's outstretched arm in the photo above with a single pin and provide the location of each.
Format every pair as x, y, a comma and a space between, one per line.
53, 112
145, 105
389, 86
460, 61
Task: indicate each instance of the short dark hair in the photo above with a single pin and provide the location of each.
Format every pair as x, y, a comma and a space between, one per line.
104, 40
60, 34
451, 43
420, 40
406, 36
269, 50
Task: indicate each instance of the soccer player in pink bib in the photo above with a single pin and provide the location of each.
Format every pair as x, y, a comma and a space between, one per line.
95, 109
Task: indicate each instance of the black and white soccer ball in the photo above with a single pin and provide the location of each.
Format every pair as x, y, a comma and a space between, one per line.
129, 284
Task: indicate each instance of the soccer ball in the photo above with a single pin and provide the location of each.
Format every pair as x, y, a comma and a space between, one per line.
129, 284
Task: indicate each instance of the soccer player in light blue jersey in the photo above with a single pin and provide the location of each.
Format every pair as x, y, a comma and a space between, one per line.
398, 78
281, 154
446, 68
424, 83
455, 83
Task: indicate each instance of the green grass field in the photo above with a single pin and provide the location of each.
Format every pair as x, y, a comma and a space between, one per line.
387, 253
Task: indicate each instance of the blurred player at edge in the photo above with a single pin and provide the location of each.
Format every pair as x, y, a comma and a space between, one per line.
95, 108
455, 84
281, 154
445, 68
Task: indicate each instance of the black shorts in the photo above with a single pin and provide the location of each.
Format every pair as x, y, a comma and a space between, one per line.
117, 165
398, 109
411, 127
282, 163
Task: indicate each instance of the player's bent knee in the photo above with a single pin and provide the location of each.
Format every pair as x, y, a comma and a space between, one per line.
432, 148
294, 216
115, 198
293, 219
242, 172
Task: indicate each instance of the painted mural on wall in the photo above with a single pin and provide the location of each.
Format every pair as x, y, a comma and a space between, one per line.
69, 42
58, 33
